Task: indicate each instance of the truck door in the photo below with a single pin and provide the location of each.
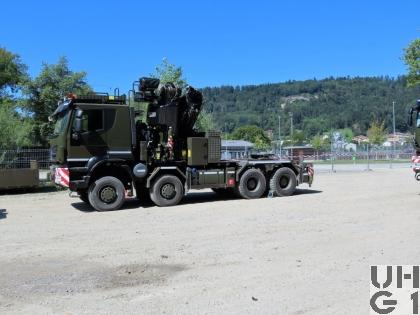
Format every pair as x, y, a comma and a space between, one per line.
91, 139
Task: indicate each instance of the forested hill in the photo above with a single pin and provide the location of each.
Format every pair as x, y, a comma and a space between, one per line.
316, 105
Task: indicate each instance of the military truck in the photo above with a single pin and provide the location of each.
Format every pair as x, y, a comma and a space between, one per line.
103, 151
416, 138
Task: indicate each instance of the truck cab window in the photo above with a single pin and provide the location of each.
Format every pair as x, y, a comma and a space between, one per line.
61, 123
92, 120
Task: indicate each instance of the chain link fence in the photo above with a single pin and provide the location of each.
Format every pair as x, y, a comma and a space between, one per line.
20, 158
350, 157
360, 161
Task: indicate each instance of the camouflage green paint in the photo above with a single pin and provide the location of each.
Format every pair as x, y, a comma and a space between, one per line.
114, 136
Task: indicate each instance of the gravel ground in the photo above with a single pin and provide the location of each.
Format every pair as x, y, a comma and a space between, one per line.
305, 254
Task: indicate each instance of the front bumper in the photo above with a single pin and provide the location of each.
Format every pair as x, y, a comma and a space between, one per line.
76, 185
60, 176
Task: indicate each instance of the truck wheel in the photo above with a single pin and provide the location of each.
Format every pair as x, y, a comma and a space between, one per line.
283, 182
167, 191
252, 184
106, 194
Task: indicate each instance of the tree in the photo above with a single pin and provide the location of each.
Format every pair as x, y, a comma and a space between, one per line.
412, 60
168, 72
205, 121
376, 132
317, 105
319, 143
261, 144
12, 72
298, 137
252, 134
347, 134
52, 84
15, 129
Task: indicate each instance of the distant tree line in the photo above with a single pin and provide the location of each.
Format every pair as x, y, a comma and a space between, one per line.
313, 106
305, 110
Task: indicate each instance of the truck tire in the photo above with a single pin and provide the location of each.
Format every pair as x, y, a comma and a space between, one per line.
107, 194
283, 182
252, 184
167, 191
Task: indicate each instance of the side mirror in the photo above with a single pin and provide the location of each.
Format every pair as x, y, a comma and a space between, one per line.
410, 117
77, 127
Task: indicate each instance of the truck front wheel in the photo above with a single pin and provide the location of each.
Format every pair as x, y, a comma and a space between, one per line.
107, 194
167, 191
283, 182
252, 184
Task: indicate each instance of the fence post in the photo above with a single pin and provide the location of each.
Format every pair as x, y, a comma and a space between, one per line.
368, 158
391, 158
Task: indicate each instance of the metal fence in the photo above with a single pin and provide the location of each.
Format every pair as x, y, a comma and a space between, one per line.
20, 158
355, 156
358, 161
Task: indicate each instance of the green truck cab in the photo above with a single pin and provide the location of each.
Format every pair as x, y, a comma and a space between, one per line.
103, 151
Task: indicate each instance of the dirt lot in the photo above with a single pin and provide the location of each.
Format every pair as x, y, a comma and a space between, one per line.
305, 254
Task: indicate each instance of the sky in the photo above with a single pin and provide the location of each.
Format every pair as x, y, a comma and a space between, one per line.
215, 42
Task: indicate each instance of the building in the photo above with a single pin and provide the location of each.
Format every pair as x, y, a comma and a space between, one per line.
351, 147
399, 139
236, 149
360, 139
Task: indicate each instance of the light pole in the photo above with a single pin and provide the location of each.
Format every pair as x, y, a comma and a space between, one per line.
291, 133
280, 135
393, 127
226, 149
331, 151
368, 158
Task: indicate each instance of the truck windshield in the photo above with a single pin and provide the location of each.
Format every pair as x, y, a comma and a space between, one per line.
61, 123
